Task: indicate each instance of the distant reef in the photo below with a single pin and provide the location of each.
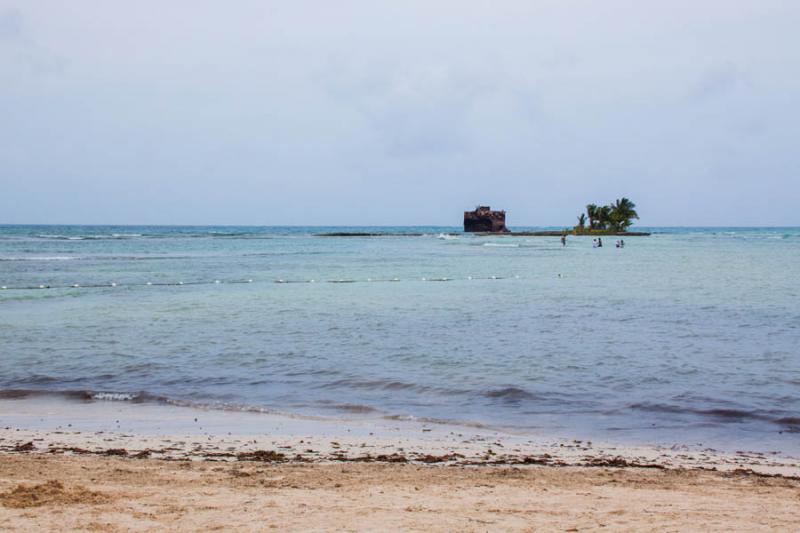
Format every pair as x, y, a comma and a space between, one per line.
368, 234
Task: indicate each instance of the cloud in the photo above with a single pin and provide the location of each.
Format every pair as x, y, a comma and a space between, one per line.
20, 53
10, 25
414, 109
380, 106
718, 82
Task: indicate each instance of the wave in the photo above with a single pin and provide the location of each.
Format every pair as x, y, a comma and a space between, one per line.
351, 408
165, 235
115, 396
103, 257
89, 396
511, 394
90, 237
81, 395
725, 415
387, 385
440, 421
39, 258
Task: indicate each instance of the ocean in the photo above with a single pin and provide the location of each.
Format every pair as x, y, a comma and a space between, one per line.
690, 335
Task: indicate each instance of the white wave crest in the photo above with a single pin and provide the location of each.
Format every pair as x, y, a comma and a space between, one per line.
38, 258
114, 396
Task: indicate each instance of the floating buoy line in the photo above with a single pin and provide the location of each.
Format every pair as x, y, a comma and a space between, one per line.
112, 285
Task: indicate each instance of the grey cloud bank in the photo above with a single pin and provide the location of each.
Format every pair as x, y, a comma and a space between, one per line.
398, 113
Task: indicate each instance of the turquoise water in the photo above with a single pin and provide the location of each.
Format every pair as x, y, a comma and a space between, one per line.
689, 335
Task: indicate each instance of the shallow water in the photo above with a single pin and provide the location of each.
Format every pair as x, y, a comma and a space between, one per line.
688, 335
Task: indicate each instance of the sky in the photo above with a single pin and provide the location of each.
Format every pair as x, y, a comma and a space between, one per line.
398, 113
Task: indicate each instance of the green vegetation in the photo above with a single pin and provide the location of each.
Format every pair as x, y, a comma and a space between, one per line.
612, 218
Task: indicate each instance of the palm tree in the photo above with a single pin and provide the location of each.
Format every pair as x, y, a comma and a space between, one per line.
582, 221
603, 215
591, 212
621, 214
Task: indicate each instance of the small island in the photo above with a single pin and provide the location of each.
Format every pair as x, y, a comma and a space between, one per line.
613, 219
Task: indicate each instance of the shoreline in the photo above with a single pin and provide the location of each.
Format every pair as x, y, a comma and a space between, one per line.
455, 449
183, 433
123, 467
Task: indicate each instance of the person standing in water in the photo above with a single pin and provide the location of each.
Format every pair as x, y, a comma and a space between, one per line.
599, 242
563, 240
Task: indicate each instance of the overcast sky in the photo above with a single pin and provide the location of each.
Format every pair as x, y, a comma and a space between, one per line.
403, 112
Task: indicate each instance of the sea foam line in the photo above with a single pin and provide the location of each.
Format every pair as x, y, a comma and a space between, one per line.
240, 281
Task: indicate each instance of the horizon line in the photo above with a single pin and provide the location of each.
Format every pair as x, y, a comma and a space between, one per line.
643, 226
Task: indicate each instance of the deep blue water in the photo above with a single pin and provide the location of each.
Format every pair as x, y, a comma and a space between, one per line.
688, 335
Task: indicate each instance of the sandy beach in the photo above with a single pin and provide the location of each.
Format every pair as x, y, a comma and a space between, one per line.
93, 493
120, 467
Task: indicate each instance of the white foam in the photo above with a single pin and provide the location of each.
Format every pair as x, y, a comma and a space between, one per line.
114, 396
39, 258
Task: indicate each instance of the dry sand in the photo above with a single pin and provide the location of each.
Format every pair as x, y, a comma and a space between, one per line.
95, 493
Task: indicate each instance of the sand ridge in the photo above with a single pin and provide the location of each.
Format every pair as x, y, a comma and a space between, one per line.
51, 492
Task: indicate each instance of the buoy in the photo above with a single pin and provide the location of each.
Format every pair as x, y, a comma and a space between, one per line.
3, 287
249, 281
180, 283
76, 285
41, 286
312, 281
216, 281
149, 283
423, 279
113, 284
494, 277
